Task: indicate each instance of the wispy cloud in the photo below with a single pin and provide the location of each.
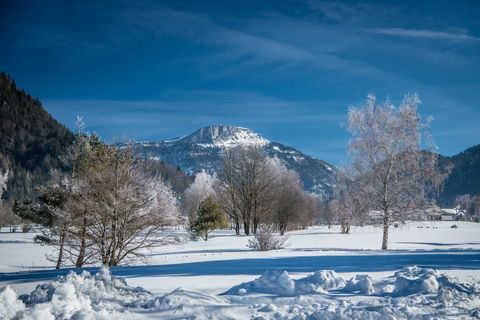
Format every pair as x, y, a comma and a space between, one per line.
162, 119
425, 34
248, 47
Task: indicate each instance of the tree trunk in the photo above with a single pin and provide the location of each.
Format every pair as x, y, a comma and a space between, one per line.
386, 224
246, 228
83, 235
255, 225
237, 227
282, 227
60, 251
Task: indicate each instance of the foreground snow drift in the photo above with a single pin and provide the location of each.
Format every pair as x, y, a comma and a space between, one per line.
411, 293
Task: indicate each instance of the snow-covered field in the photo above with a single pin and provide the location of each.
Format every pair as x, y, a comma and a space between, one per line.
223, 279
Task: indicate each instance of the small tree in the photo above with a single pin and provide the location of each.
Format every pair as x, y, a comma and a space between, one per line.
209, 217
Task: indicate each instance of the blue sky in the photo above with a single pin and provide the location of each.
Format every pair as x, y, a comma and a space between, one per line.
287, 69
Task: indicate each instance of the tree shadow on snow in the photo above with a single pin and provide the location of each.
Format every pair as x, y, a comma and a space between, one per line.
256, 266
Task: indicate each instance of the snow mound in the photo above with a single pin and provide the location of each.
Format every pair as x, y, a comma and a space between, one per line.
321, 281
360, 283
279, 282
276, 282
411, 280
415, 280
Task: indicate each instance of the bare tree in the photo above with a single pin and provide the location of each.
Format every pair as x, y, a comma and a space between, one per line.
288, 196
245, 186
386, 155
227, 190
349, 207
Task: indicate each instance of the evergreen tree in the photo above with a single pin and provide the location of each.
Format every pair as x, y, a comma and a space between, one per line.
209, 218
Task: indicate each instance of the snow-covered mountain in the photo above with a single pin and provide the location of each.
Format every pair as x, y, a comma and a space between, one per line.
203, 149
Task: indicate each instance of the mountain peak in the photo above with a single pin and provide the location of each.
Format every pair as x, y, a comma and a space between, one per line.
224, 136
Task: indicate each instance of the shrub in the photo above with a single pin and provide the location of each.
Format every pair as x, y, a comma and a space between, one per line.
265, 240
26, 227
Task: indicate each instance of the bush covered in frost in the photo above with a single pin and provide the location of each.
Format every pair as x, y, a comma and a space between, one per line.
265, 239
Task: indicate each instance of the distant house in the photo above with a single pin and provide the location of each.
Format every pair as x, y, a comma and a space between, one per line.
446, 215
455, 214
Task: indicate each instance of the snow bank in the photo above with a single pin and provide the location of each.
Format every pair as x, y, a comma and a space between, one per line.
405, 282
413, 293
75, 296
102, 296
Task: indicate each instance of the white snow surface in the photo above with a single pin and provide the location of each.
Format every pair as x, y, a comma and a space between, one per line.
432, 271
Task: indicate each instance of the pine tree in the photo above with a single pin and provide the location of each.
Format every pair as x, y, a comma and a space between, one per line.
209, 217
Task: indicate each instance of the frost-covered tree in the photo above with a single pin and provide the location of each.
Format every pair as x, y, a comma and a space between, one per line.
201, 188
265, 239
387, 159
128, 208
106, 209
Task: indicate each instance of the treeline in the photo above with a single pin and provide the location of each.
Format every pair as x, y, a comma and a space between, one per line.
252, 190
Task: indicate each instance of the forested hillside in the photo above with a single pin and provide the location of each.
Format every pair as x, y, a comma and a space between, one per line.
465, 175
31, 140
